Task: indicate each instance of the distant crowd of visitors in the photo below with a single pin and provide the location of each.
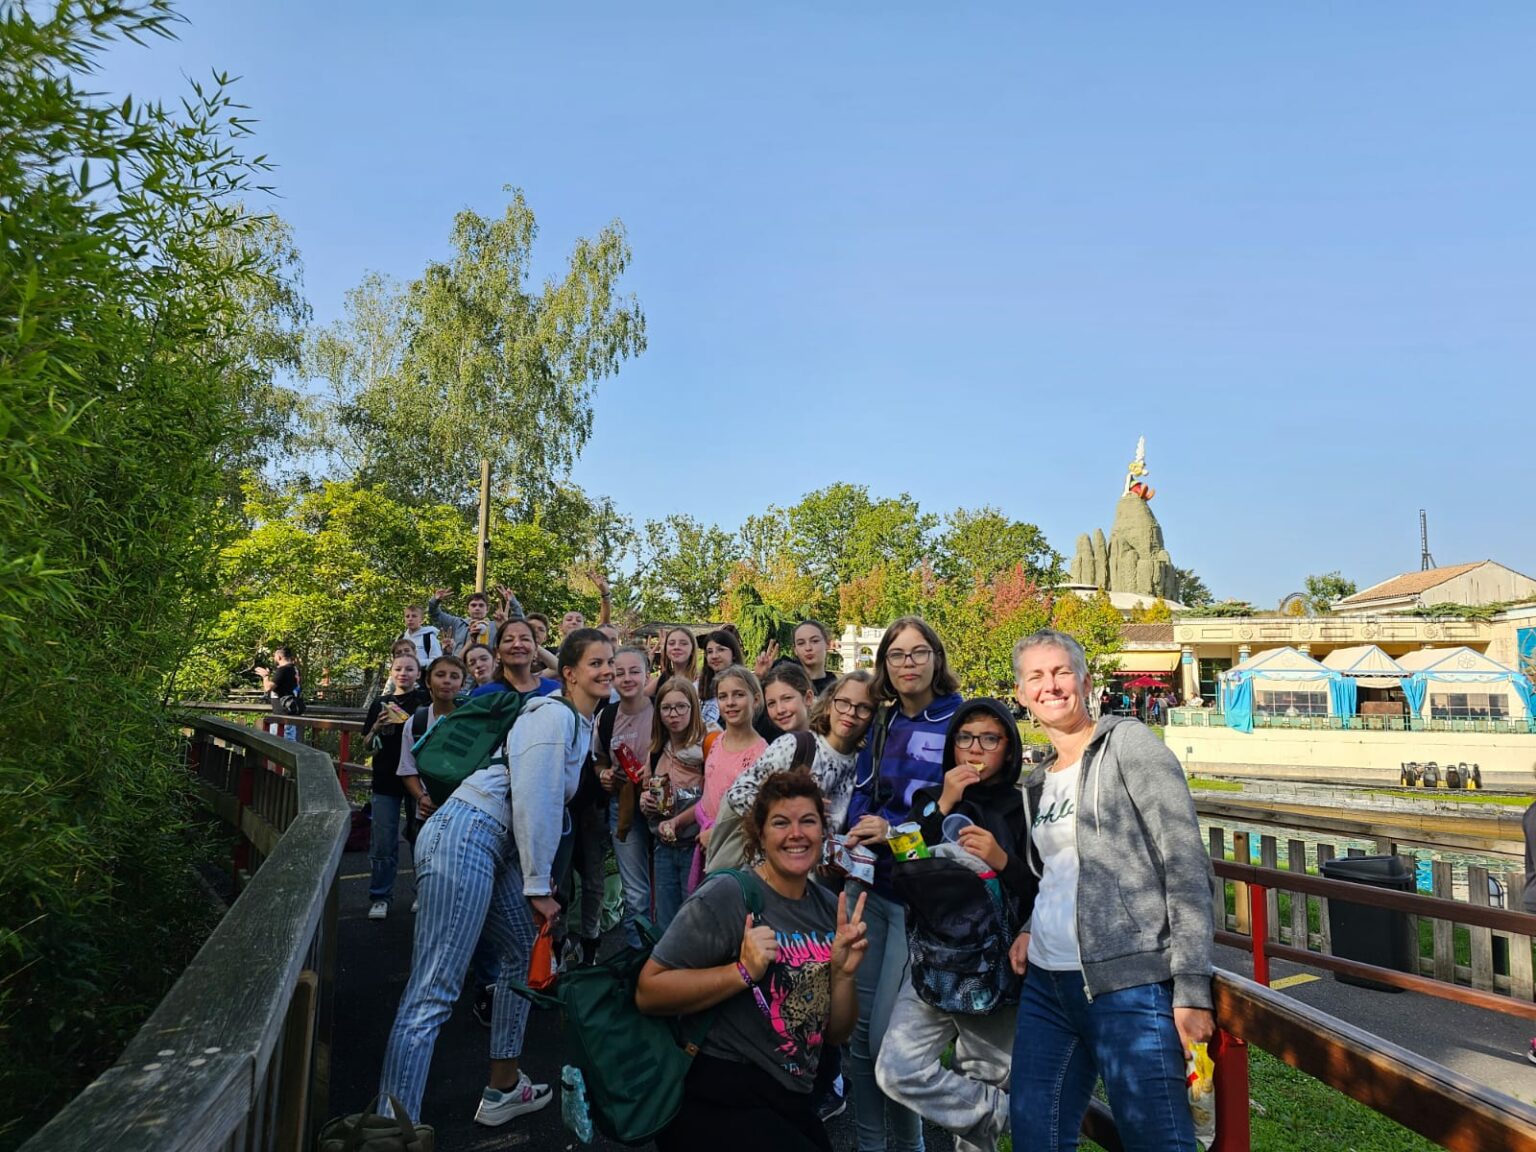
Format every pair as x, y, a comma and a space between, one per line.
857, 874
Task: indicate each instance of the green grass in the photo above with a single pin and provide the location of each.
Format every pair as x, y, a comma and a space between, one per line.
1205, 784
1458, 797
1300, 1114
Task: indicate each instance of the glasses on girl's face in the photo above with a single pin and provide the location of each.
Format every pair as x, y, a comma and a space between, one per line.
987, 741
673, 709
918, 656
849, 708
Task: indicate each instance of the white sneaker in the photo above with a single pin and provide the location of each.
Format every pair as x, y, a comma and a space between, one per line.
379, 910
496, 1108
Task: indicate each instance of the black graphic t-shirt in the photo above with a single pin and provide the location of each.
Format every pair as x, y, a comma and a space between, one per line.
786, 1039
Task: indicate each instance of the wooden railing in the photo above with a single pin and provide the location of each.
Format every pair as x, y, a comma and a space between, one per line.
1499, 942
237, 1055
1424, 1097
334, 731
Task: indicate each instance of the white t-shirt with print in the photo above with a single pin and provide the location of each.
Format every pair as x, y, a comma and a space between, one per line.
1053, 929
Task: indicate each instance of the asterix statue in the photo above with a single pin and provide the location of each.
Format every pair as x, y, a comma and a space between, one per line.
1136, 470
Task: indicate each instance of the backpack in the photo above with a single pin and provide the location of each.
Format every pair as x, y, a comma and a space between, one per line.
371, 1132
590, 791
463, 742
633, 1065
728, 842
959, 930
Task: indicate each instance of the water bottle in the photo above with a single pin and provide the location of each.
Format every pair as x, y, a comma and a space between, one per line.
573, 1104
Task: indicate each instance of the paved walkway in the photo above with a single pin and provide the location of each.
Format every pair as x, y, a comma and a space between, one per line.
1487, 1047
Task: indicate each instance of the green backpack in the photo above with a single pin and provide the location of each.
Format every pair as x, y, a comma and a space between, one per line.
633, 1065
463, 742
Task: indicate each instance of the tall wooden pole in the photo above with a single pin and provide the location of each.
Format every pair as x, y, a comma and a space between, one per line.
485, 525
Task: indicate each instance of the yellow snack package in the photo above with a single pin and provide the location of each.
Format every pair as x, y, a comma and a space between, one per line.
1200, 1075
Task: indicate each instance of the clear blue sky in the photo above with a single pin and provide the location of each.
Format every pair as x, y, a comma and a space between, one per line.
972, 252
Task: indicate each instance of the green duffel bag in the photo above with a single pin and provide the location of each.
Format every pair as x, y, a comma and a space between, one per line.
371, 1132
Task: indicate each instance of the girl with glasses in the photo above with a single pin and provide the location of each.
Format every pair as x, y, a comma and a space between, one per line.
917, 696
837, 721
679, 743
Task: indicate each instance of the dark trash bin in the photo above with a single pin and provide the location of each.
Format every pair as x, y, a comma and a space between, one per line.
1368, 935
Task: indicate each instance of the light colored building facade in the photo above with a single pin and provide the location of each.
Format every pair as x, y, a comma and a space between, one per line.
1365, 747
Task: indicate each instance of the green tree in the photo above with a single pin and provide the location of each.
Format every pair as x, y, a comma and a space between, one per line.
765, 539
1224, 608
1156, 612
838, 534
145, 313
1192, 590
327, 571
469, 363
1324, 589
683, 569
983, 542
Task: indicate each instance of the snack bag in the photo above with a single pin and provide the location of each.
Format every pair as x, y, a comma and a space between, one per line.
1200, 1075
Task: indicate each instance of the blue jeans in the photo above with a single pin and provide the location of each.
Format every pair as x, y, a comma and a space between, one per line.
633, 854
1065, 1042
879, 979
673, 863
467, 875
384, 847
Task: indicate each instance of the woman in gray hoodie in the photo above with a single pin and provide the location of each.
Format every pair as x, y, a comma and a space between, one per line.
1117, 954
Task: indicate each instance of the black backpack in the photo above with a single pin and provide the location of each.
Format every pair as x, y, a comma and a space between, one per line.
959, 930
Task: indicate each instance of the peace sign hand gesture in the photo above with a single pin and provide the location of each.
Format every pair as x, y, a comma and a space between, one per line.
851, 941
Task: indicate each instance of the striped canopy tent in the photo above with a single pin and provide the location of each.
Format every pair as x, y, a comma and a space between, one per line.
1367, 665
1280, 670
1447, 673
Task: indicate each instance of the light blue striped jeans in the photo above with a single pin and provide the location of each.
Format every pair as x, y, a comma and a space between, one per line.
467, 875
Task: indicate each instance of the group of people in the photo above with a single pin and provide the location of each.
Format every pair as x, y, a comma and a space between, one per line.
853, 872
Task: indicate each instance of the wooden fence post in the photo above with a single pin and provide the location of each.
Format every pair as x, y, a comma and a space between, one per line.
1325, 935
1218, 839
1269, 857
1242, 854
1482, 938
1296, 861
1445, 931
1520, 982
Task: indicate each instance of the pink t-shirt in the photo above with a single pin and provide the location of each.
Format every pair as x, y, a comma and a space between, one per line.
720, 771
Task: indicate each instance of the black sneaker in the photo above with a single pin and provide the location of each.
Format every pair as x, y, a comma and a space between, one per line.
589, 949
485, 1003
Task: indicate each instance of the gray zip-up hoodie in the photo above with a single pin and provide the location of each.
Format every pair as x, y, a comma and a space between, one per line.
1144, 880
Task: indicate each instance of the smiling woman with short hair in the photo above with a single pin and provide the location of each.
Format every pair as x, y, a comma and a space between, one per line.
1117, 956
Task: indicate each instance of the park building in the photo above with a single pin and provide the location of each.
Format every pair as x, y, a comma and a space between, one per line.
1383, 679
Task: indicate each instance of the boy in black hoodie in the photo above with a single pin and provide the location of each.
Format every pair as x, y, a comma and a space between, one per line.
964, 910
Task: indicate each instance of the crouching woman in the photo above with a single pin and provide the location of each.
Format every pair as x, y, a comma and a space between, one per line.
780, 983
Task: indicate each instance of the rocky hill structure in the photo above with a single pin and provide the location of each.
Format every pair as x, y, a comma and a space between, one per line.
1134, 558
